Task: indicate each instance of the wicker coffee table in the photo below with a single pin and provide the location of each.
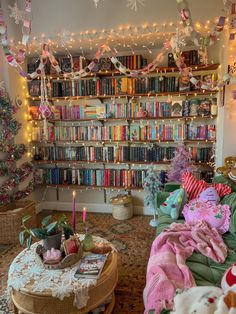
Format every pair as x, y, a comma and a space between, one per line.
27, 301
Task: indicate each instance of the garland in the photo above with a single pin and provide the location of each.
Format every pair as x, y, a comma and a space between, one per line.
14, 152
15, 60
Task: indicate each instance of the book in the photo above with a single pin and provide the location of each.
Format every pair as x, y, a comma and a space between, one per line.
176, 108
91, 266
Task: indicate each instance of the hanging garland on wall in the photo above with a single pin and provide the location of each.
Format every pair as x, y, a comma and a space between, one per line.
13, 153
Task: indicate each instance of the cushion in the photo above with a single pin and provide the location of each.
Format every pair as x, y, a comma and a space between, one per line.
217, 216
174, 203
223, 179
194, 187
209, 195
231, 201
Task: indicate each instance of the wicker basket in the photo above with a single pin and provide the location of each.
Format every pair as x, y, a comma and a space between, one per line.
10, 220
122, 207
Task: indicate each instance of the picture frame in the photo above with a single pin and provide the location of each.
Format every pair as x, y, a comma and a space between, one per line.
71, 245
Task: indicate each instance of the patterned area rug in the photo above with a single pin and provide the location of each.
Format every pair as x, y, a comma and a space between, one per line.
132, 238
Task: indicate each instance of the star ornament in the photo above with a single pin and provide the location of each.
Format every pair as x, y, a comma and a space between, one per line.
134, 4
16, 13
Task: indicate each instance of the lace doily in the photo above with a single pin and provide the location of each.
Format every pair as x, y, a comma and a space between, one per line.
27, 271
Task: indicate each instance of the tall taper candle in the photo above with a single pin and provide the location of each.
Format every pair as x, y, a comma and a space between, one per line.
84, 214
73, 212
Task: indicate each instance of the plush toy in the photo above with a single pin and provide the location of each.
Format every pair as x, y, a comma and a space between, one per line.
229, 164
174, 203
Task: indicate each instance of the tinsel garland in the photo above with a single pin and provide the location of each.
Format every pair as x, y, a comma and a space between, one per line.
10, 128
6, 109
14, 151
17, 175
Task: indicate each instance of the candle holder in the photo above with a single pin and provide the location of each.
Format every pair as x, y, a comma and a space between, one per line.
88, 243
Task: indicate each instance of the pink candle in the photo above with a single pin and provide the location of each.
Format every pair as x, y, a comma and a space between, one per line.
84, 214
73, 212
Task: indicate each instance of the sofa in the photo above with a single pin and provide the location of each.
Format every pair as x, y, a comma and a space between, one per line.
206, 272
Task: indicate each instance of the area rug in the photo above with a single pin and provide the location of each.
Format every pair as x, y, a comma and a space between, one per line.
132, 238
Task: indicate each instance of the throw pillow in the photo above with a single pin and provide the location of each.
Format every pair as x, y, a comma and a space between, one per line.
209, 195
174, 203
230, 200
217, 216
193, 186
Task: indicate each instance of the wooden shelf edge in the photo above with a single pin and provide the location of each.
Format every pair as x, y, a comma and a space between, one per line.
88, 187
50, 162
189, 93
161, 70
126, 119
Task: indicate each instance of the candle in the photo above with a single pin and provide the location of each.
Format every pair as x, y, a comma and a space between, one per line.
73, 212
84, 214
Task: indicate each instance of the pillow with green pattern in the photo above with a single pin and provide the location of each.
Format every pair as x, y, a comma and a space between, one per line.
174, 203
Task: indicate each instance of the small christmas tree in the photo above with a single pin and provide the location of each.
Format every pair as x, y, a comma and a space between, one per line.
151, 187
180, 164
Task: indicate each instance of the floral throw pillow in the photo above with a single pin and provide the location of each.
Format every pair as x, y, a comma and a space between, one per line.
217, 216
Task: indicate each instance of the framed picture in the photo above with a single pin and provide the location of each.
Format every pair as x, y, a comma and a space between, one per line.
71, 245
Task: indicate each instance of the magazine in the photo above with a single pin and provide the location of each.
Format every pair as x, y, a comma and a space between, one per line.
91, 266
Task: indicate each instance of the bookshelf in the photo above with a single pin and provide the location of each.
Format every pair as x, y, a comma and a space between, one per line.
110, 137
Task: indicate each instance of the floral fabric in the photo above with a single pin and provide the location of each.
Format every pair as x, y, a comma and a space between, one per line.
217, 216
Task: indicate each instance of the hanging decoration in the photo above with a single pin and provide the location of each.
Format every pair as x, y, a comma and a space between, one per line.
10, 128
198, 39
16, 14
16, 59
134, 4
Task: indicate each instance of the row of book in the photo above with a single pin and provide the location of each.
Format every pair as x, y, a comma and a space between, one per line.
94, 177
135, 132
117, 86
133, 109
191, 57
117, 154
133, 62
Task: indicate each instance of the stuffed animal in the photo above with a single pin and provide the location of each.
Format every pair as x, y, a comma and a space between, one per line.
229, 164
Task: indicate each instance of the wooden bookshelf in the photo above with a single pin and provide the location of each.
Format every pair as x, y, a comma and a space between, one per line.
161, 71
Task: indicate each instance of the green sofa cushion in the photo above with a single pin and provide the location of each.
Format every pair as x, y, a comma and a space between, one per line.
223, 179
231, 201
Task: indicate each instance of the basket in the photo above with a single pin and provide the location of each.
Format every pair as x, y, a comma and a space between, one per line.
10, 220
122, 207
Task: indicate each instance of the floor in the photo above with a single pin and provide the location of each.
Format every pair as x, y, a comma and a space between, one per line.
132, 238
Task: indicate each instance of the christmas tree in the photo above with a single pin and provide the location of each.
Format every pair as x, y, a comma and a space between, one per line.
180, 164
151, 186
13, 152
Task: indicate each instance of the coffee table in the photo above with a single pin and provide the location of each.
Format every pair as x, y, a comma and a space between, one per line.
27, 301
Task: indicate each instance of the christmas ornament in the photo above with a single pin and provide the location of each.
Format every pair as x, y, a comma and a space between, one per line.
134, 4
16, 13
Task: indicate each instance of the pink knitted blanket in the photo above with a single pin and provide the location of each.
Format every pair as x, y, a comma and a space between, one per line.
167, 271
